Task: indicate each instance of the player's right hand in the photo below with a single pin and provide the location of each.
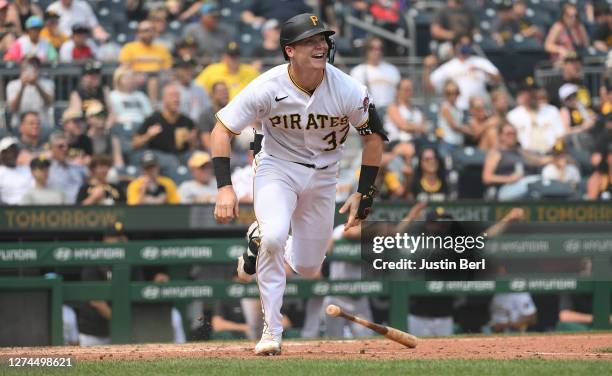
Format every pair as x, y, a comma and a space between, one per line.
226, 207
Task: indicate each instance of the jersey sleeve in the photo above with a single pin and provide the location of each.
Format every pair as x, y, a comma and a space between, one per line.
246, 108
358, 107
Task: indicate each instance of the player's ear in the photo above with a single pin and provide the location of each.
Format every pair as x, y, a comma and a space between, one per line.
289, 50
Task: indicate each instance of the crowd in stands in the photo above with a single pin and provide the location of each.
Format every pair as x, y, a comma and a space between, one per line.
480, 131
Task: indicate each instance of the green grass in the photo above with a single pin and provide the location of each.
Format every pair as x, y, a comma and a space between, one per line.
295, 367
603, 350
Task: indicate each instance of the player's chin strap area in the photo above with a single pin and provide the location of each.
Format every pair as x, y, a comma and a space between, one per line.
331, 53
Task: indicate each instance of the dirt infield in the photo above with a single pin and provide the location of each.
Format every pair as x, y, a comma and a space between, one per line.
567, 346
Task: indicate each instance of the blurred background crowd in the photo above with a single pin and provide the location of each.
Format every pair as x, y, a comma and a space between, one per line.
482, 99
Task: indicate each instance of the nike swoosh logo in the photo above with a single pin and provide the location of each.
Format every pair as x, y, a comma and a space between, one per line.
280, 99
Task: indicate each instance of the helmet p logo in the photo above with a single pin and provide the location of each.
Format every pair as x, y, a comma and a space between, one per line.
314, 20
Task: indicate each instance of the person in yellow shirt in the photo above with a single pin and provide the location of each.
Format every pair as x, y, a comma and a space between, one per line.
142, 55
51, 31
230, 70
146, 59
150, 188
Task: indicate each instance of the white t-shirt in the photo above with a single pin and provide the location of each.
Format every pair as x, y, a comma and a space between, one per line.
412, 115
14, 183
381, 81
468, 74
242, 180
509, 307
570, 175
539, 131
130, 108
31, 100
192, 192
80, 12
298, 127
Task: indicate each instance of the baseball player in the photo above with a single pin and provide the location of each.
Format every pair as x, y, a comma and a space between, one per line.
305, 108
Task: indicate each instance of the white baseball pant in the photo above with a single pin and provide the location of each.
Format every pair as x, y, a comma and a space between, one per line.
289, 194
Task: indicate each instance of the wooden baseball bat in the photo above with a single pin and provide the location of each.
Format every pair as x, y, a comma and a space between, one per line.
393, 334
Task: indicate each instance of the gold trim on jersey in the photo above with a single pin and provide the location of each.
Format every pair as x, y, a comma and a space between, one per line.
301, 88
363, 125
225, 126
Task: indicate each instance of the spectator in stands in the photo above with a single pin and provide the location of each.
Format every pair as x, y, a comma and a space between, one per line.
450, 21
482, 127
79, 47
576, 118
203, 188
450, 130
403, 120
159, 19
567, 35
210, 33
186, 48
150, 188
500, 105
262, 10
77, 11
602, 39
102, 141
471, 73
41, 193
511, 21
242, 180
219, 98
561, 169
193, 97
25, 9
230, 70
129, 106
10, 27
30, 92
504, 167
539, 126
51, 31
429, 183
571, 74
268, 50
97, 190
64, 175
80, 149
380, 77
144, 56
31, 141
90, 90
15, 180
31, 44
599, 185
168, 132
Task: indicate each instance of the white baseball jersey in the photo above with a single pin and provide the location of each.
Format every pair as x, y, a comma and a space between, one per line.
297, 126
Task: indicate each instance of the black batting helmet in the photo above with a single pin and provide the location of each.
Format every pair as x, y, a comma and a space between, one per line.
304, 26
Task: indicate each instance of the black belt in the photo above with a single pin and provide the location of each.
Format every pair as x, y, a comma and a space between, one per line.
311, 166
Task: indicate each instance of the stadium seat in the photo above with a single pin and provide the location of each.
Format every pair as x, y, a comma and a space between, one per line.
550, 189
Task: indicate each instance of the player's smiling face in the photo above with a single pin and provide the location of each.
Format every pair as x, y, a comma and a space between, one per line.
310, 52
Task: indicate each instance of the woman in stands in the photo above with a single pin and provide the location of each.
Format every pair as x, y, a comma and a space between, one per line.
576, 118
25, 9
450, 121
129, 106
429, 182
599, 186
504, 166
567, 35
483, 127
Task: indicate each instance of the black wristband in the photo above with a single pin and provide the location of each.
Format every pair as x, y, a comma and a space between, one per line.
367, 178
222, 171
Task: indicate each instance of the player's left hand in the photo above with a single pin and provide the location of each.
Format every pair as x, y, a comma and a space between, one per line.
351, 205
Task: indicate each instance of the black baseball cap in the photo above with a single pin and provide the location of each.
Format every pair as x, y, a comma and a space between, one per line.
232, 49
187, 42
148, 159
115, 230
51, 14
437, 214
39, 163
80, 28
